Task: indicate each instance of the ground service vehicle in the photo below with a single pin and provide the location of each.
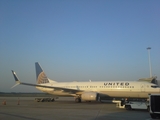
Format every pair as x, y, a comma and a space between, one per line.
143, 105
154, 105
130, 105
44, 99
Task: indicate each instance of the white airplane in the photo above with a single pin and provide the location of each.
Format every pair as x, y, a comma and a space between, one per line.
91, 91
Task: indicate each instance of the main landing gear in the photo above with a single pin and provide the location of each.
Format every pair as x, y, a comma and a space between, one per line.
78, 100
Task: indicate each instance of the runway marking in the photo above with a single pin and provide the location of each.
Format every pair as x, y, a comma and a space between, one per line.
99, 112
19, 116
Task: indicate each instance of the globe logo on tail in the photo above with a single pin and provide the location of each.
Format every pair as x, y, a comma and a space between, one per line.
42, 78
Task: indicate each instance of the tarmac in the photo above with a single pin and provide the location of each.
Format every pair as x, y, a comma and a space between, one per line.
64, 108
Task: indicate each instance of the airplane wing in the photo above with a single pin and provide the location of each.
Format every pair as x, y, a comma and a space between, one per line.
18, 82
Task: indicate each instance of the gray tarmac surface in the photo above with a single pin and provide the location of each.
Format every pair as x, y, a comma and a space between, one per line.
65, 109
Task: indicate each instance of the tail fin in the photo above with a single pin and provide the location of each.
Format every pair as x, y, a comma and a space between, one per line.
40, 75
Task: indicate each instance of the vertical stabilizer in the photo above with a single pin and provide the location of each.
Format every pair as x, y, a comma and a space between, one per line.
40, 75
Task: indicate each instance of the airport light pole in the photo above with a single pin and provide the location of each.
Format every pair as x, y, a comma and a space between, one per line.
150, 67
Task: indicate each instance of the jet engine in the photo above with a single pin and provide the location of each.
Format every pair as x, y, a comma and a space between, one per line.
90, 96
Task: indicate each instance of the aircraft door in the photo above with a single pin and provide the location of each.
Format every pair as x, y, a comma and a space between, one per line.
142, 88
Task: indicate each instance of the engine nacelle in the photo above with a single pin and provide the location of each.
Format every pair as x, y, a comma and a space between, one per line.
90, 96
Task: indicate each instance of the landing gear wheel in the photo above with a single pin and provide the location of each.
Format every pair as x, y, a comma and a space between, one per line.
153, 116
78, 100
99, 99
128, 107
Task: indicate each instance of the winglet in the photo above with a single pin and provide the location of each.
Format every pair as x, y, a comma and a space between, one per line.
16, 79
15, 76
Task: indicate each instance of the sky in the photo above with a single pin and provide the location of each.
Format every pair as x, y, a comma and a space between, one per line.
78, 40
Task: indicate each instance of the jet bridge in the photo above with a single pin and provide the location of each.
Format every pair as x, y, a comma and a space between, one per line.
151, 80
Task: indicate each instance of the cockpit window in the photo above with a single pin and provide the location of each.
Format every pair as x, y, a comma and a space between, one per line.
154, 86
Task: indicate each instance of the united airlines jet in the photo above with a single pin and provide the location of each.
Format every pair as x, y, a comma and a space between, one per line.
92, 90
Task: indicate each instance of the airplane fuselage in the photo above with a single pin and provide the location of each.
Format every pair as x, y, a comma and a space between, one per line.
128, 89
90, 91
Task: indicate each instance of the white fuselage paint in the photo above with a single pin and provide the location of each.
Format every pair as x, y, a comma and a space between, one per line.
112, 89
